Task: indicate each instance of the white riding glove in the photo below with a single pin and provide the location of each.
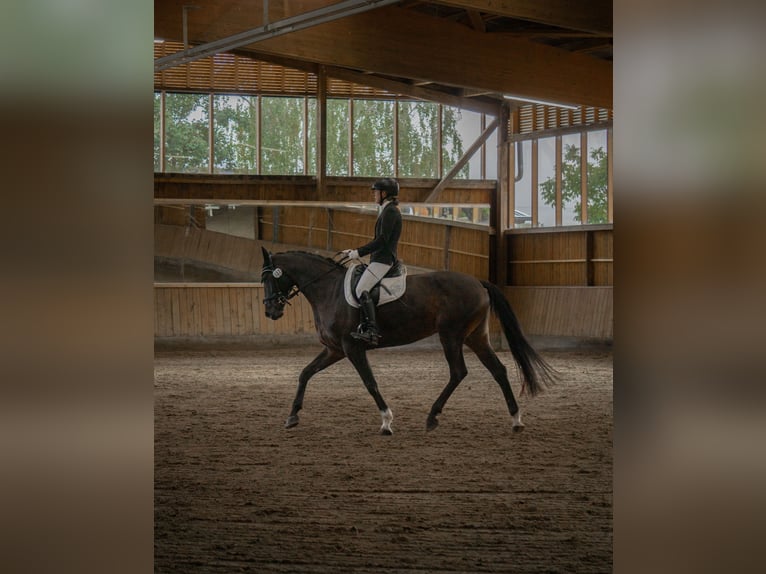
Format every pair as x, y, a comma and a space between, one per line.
351, 253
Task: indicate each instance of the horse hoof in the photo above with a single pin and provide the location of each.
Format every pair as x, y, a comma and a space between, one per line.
518, 428
431, 424
386, 432
291, 422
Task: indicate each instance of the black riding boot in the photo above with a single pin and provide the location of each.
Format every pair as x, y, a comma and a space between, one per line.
368, 328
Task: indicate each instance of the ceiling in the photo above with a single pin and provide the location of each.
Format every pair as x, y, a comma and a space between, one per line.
478, 51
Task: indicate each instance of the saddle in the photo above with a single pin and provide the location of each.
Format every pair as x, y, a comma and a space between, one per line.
388, 289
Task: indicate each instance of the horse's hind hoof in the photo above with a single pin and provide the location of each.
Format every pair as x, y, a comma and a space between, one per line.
431, 424
518, 428
386, 432
291, 422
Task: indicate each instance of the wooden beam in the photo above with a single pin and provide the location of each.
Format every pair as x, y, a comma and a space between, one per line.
476, 20
463, 160
594, 16
413, 91
418, 47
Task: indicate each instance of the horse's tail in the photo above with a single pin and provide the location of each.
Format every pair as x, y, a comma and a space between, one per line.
536, 372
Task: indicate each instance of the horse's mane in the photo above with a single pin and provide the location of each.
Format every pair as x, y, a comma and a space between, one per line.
316, 256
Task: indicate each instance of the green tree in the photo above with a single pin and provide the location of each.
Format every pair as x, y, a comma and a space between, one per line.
337, 137
452, 147
282, 136
186, 133
418, 139
234, 134
571, 184
373, 138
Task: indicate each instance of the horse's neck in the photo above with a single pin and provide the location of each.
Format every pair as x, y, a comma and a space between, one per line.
312, 279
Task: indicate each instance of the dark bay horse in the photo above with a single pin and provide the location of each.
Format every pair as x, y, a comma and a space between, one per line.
454, 305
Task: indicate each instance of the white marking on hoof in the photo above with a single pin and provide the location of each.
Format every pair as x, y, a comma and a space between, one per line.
388, 418
518, 426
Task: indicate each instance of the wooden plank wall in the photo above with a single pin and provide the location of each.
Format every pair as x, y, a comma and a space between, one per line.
304, 188
210, 310
576, 312
236, 253
573, 256
427, 243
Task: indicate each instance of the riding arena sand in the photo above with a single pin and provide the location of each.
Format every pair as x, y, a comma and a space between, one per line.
237, 492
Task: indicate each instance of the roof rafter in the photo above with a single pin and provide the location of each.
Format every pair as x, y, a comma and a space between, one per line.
594, 16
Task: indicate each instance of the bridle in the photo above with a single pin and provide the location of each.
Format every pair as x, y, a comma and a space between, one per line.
277, 294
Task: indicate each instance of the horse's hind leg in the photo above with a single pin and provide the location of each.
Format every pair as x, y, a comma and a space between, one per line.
358, 357
453, 350
479, 344
326, 358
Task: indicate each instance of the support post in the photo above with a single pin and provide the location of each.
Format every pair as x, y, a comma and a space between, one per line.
502, 197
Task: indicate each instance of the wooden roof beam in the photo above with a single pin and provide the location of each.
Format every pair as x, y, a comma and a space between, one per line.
594, 16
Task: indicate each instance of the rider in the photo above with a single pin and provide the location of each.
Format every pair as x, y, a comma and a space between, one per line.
382, 248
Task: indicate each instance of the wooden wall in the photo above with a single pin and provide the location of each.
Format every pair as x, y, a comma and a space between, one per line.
426, 243
215, 311
559, 279
566, 312
234, 310
561, 256
304, 188
226, 251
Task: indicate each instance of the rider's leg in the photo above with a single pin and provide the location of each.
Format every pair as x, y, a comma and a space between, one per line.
368, 328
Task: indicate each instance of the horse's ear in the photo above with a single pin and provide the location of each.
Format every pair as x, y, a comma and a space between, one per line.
266, 257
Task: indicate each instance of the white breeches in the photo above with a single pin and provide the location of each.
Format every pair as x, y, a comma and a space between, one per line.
371, 276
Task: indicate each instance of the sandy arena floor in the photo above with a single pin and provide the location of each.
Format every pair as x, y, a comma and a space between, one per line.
236, 492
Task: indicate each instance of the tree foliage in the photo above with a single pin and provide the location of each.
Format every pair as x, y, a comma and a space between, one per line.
187, 148
571, 184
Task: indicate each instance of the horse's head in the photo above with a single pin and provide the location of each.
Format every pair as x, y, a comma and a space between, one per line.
276, 285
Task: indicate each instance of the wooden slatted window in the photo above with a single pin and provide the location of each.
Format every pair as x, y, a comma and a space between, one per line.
234, 73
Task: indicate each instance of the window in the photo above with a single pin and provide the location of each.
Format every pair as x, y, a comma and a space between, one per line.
282, 136
187, 147
235, 134
373, 138
418, 139
461, 129
337, 137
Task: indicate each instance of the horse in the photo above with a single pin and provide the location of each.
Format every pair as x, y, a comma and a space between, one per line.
454, 305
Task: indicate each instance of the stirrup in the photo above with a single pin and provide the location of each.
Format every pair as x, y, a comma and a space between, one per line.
370, 337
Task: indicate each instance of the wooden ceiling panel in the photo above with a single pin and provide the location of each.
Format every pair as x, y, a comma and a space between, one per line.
415, 46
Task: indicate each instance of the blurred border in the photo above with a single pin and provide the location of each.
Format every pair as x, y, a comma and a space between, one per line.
76, 410
690, 286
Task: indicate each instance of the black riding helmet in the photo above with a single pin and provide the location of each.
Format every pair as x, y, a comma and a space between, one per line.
389, 185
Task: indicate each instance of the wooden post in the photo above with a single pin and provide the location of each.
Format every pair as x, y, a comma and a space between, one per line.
329, 228
447, 241
500, 220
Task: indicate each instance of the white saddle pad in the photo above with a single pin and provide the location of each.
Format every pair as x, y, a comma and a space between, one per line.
391, 288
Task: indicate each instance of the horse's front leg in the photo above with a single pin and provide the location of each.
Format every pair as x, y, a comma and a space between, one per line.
357, 354
326, 358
